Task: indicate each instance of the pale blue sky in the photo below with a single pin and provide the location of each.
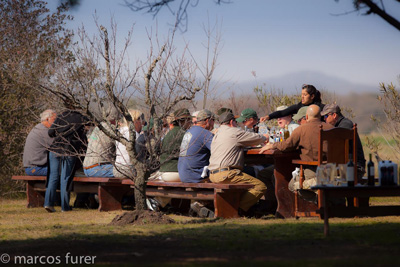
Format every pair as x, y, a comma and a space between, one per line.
273, 37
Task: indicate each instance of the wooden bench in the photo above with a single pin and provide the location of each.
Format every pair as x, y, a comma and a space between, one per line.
226, 197
327, 193
110, 190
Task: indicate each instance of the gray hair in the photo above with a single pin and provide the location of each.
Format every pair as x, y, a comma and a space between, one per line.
46, 114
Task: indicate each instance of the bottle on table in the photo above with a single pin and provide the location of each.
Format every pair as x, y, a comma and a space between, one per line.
286, 133
371, 171
350, 171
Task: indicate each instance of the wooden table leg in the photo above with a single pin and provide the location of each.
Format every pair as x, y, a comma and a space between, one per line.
285, 198
34, 198
326, 213
110, 197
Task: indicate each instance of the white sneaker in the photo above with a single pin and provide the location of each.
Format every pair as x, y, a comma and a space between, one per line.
50, 208
152, 204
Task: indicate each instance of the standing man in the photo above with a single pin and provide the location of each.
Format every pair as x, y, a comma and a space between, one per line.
69, 143
333, 115
37, 145
196, 148
227, 159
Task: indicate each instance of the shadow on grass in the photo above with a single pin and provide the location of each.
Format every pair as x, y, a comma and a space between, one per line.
225, 243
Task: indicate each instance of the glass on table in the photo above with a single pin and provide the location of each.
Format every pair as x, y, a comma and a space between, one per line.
321, 176
331, 173
342, 174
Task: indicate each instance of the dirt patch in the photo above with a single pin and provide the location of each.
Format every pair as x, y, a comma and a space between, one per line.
137, 217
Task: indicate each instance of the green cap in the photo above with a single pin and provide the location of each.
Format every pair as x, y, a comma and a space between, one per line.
300, 114
247, 114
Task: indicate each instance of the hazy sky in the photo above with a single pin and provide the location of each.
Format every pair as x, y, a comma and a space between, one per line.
272, 37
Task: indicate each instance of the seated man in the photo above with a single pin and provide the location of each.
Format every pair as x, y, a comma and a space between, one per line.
333, 115
37, 145
123, 166
170, 149
100, 153
249, 119
171, 146
216, 123
227, 159
196, 148
194, 116
300, 116
267, 174
304, 137
286, 121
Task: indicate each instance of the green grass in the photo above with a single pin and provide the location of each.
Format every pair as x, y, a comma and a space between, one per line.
238, 242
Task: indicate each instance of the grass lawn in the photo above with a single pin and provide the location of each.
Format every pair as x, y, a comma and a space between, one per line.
239, 242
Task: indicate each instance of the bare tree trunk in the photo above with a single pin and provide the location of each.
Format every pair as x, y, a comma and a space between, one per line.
140, 186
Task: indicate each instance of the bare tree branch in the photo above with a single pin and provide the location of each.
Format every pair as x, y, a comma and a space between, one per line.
180, 12
373, 8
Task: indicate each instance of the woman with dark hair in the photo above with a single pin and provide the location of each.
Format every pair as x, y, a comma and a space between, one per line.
309, 95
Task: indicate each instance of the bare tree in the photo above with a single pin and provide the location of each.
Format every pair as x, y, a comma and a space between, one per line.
213, 47
100, 75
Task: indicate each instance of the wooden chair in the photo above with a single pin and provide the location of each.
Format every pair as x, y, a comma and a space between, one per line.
334, 147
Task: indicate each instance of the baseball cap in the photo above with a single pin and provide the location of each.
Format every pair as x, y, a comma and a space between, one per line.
225, 117
223, 110
247, 114
281, 108
330, 108
300, 114
182, 113
204, 114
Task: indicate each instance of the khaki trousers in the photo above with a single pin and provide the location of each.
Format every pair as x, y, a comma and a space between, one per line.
236, 176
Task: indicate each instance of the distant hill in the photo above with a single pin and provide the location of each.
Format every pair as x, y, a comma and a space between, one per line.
292, 82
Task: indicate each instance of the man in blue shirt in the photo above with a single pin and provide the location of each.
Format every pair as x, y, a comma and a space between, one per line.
195, 148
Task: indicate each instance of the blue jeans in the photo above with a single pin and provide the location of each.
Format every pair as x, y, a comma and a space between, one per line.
36, 171
105, 170
61, 170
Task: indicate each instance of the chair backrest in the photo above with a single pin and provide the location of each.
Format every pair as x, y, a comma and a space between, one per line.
334, 146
